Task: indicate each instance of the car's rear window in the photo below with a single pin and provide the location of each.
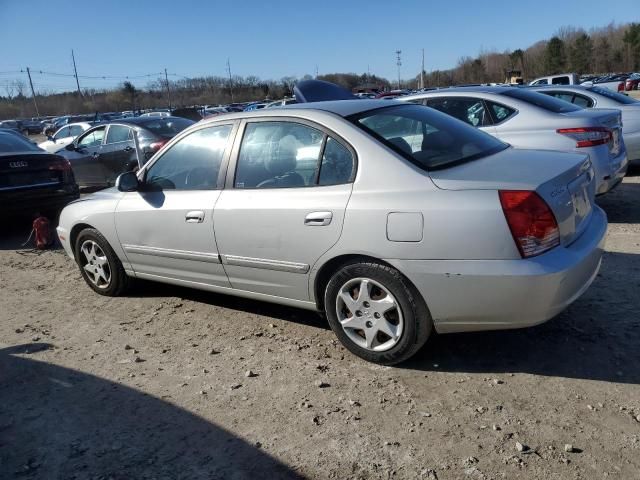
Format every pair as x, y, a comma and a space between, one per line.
428, 138
615, 96
10, 142
167, 127
540, 100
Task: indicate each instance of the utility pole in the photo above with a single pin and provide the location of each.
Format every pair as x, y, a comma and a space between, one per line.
230, 81
75, 71
166, 79
399, 64
33, 93
422, 71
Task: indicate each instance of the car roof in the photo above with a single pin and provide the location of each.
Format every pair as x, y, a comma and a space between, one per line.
143, 120
342, 108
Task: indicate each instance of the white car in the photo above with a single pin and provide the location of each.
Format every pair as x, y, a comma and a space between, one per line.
156, 114
64, 136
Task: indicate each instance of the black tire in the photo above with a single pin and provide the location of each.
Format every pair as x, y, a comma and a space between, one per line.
416, 317
118, 279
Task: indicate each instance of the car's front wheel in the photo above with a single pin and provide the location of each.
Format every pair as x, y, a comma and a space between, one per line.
99, 265
376, 313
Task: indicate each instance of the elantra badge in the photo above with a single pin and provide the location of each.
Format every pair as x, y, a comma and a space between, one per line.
18, 164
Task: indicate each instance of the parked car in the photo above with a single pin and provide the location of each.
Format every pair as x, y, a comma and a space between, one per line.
12, 125
614, 82
101, 153
29, 126
392, 218
156, 114
589, 97
281, 103
561, 79
32, 182
529, 119
64, 136
51, 127
255, 106
632, 82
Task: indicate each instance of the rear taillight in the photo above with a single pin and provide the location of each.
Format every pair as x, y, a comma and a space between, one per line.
588, 136
155, 146
621, 87
61, 165
531, 221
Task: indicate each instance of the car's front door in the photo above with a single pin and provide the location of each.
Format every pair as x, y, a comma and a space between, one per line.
85, 158
283, 206
166, 228
118, 153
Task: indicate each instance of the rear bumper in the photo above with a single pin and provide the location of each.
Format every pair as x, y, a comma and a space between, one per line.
632, 142
617, 171
471, 295
37, 200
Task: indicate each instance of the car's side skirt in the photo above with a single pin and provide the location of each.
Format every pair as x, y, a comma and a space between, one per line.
231, 291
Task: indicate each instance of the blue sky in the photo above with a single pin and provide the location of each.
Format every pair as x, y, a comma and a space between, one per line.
274, 38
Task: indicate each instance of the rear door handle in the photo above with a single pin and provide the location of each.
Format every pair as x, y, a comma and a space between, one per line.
318, 219
128, 149
196, 216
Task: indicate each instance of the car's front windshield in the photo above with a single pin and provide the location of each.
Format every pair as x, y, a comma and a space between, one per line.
428, 138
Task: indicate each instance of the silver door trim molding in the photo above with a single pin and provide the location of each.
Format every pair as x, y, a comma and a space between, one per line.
171, 253
264, 263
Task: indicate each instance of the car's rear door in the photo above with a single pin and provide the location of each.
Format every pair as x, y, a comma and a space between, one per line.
287, 189
166, 228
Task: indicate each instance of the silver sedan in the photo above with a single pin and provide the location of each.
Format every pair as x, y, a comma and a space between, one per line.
527, 119
598, 97
392, 218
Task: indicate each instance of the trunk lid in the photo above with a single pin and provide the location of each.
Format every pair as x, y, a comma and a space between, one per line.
30, 170
565, 181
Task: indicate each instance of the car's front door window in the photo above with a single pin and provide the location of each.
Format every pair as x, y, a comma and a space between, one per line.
193, 163
62, 133
92, 138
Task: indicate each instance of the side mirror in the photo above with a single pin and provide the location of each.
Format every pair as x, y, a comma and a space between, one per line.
71, 147
50, 138
127, 182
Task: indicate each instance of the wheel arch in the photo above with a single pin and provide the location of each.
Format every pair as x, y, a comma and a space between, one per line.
75, 231
326, 271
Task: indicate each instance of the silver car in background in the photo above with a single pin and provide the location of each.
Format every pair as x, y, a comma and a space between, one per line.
598, 97
527, 119
392, 218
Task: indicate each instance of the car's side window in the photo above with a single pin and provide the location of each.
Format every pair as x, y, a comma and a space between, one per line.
278, 155
193, 163
337, 164
567, 97
582, 101
560, 81
469, 110
93, 138
62, 133
499, 112
75, 130
118, 133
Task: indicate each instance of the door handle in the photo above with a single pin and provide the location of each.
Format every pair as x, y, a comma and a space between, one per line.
128, 149
318, 219
196, 216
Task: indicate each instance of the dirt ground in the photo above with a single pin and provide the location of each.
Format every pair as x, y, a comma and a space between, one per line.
171, 383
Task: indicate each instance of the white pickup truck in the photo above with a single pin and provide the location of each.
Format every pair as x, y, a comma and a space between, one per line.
612, 82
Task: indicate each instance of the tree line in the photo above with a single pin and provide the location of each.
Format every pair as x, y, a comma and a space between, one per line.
614, 48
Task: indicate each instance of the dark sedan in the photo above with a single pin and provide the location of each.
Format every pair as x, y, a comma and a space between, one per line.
103, 152
32, 181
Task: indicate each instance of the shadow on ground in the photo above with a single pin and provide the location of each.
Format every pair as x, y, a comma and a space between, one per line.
94, 428
597, 338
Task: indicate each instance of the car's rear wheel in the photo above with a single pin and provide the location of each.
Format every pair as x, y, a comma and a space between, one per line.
376, 313
99, 265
